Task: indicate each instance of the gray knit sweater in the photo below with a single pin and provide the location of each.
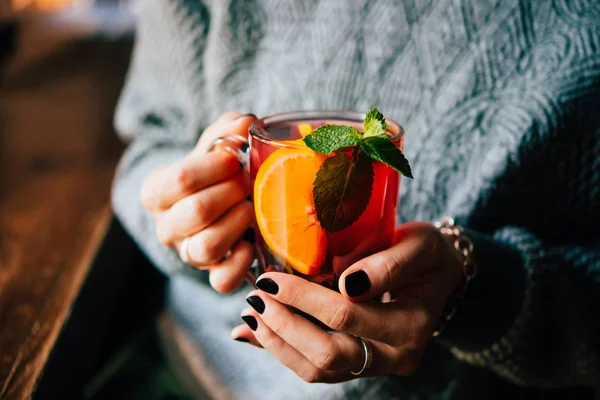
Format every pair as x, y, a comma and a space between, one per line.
501, 102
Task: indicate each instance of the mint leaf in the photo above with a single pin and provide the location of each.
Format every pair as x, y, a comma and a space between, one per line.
380, 148
342, 190
330, 138
374, 123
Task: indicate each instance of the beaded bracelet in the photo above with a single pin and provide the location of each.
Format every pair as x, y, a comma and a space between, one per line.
463, 244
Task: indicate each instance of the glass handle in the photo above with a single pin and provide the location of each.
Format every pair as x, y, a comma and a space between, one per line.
251, 274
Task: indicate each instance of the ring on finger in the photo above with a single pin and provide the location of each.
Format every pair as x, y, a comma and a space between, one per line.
234, 144
183, 250
368, 356
228, 143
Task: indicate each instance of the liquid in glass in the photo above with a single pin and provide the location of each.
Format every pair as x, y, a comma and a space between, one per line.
289, 237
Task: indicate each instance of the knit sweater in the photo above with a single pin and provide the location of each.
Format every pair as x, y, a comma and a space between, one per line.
501, 104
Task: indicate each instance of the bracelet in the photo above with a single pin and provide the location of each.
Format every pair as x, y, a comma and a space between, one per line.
463, 244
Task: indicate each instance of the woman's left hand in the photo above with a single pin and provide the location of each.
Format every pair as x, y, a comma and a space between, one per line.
420, 271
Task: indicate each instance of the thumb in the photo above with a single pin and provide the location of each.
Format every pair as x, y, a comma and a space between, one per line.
390, 269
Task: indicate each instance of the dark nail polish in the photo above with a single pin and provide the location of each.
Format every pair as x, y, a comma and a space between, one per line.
242, 339
357, 283
248, 198
267, 285
251, 321
249, 236
257, 303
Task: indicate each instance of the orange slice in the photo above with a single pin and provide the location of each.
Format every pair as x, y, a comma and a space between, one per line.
304, 128
285, 211
296, 142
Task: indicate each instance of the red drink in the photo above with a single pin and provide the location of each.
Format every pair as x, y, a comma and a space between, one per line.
289, 237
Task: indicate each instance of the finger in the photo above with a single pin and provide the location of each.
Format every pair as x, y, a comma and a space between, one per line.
388, 270
223, 127
326, 351
195, 212
334, 354
243, 333
164, 188
229, 274
212, 243
227, 116
285, 353
371, 320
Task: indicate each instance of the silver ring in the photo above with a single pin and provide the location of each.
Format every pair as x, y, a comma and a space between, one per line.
368, 356
233, 144
183, 250
235, 140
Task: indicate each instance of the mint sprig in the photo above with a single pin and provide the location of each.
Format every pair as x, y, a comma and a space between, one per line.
342, 190
374, 123
329, 138
343, 185
381, 148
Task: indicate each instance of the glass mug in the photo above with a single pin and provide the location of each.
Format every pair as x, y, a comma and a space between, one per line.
288, 235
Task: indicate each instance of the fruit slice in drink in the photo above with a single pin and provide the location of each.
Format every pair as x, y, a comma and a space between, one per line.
285, 211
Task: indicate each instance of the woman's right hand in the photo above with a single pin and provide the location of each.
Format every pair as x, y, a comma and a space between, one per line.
204, 198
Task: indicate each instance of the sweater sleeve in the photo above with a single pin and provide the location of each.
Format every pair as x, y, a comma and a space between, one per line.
532, 313
158, 113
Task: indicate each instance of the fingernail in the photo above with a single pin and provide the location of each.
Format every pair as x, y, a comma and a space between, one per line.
245, 115
267, 285
251, 321
242, 339
257, 303
249, 236
357, 283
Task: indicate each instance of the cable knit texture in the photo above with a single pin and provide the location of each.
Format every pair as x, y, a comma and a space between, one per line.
501, 103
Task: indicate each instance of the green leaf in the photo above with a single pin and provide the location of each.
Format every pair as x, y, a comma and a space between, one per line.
330, 138
342, 190
380, 148
374, 123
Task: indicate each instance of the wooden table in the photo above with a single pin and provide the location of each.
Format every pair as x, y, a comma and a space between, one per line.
57, 158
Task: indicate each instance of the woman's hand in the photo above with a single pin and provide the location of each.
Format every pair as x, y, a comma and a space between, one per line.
203, 198
419, 273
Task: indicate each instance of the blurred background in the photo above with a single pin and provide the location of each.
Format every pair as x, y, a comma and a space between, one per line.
62, 64
74, 306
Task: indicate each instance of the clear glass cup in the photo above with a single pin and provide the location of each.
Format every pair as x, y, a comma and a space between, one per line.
289, 237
